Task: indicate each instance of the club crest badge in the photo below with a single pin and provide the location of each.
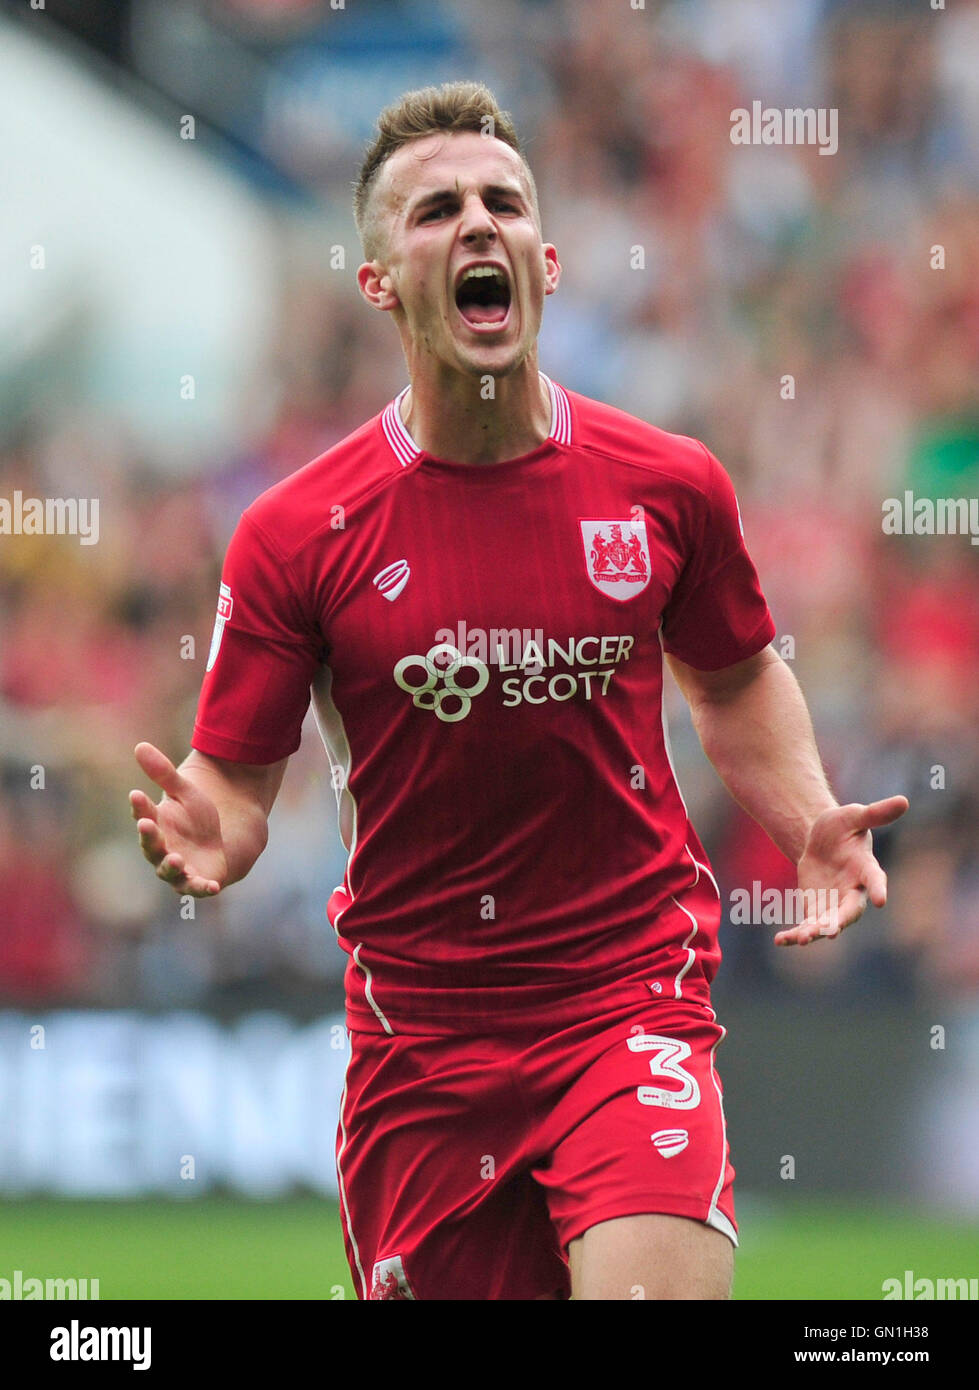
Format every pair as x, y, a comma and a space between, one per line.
389, 1280
616, 556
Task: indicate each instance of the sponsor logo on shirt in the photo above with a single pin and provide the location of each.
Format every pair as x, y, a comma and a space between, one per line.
443, 680
616, 556
446, 682
583, 668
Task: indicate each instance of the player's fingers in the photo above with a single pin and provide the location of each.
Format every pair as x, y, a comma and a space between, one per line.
151, 840
877, 813
160, 769
829, 923
804, 934
183, 878
841, 913
877, 885
201, 887
801, 934
793, 936
142, 807
171, 870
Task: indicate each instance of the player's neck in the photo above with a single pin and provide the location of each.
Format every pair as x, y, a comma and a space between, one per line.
454, 417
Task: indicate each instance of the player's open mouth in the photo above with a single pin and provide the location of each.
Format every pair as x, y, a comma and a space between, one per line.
483, 296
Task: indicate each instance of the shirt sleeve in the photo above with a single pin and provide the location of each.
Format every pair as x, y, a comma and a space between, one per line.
264, 653
717, 614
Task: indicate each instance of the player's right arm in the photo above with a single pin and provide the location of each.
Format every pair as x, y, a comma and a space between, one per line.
210, 824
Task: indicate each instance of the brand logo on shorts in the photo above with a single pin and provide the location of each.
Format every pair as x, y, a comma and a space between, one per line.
670, 1142
616, 556
389, 1280
443, 680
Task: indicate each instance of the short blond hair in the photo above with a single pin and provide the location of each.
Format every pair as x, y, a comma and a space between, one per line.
455, 106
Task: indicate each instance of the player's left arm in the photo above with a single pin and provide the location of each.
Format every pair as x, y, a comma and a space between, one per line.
755, 728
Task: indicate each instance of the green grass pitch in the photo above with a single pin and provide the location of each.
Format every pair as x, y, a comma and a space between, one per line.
223, 1248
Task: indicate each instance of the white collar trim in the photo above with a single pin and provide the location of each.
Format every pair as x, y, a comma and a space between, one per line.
407, 451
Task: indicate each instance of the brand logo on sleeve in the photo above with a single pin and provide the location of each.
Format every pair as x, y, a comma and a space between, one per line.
616, 556
225, 605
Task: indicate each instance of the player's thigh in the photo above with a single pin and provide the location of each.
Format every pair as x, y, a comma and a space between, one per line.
435, 1199
651, 1256
639, 1132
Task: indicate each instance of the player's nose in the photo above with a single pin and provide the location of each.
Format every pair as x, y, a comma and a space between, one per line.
475, 222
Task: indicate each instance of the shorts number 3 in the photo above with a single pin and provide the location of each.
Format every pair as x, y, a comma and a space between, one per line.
670, 1053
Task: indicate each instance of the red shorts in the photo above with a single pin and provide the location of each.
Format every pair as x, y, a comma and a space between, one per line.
467, 1165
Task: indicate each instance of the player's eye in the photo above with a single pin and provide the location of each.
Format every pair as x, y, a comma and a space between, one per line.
434, 213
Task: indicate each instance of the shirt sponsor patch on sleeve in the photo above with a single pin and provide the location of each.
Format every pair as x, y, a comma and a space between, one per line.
225, 604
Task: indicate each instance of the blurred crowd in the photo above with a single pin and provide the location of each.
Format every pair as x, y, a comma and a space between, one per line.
786, 308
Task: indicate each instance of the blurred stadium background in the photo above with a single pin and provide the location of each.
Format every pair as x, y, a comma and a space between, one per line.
180, 327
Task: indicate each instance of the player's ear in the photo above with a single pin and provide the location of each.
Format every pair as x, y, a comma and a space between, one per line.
552, 268
376, 286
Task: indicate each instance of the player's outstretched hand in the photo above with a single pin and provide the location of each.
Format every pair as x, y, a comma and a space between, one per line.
838, 872
181, 836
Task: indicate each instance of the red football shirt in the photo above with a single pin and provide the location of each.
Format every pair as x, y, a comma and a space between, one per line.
483, 644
